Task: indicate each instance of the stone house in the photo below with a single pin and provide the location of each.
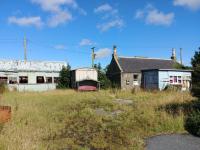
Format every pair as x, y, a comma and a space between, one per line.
126, 72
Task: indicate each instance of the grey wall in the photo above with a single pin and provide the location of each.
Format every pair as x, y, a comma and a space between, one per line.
150, 80
129, 77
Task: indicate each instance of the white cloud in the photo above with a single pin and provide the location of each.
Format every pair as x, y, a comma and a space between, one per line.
55, 5
59, 10
104, 52
110, 18
103, 8
86, 42
59, 18
159, 18
118, 23
26, 21
192, 4
153, 16
60, 47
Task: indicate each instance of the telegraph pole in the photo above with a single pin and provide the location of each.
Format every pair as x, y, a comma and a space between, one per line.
25, 49
93, 56
181, 59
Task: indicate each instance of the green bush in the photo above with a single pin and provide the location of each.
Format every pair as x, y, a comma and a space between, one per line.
192, 123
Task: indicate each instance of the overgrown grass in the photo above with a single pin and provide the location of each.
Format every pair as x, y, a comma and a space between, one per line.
65, 119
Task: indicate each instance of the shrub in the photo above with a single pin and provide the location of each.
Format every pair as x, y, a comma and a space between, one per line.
192, 123
64, 79
196, 74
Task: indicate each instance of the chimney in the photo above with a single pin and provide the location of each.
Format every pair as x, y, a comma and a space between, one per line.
173, 57
114, 51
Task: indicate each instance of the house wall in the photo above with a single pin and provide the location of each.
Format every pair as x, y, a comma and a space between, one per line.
164, 78
114, 73
127, 80
150, 80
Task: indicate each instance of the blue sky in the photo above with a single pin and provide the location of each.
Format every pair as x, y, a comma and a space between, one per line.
67, 29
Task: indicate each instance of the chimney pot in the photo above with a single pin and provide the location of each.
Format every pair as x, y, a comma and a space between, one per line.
173, 57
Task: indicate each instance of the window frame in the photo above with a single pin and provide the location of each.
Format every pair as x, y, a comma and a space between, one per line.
21, 79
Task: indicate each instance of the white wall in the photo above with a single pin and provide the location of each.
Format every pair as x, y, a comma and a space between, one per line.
86, 74
164, 77
32, 85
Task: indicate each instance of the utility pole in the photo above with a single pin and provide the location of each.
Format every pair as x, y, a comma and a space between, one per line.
181, 59
93, 56
25, 49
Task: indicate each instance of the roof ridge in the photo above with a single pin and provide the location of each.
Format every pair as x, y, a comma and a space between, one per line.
138, 57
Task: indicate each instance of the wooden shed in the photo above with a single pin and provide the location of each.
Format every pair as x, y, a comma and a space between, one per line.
85, 79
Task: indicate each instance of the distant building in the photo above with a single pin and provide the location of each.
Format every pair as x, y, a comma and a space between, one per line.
126, 72
85, 79
161, 78
30, 75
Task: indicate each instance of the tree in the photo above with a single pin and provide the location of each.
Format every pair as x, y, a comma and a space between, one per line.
104, 81
196, 74
64, 77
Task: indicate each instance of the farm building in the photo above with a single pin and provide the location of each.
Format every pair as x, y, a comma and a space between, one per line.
161, 78
126, 72
30, 75
85, 79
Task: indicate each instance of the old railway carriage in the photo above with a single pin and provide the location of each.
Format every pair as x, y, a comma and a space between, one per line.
30, 75
85, 79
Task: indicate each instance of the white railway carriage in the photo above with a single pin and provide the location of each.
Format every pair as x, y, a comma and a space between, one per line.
30, 75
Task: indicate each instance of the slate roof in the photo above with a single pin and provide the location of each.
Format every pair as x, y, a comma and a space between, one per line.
136, 64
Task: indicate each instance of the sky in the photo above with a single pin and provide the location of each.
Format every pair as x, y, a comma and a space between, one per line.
66, 30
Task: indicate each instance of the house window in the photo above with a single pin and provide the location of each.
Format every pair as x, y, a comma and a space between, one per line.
23, 79
3, 80
48, 79
127, 82
56, 79
135, 77
12, 80
175, 79
40, 79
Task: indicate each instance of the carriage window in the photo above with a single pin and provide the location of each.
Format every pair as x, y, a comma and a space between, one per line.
23, 79
48, 79
12, 80
3, 80
40, 79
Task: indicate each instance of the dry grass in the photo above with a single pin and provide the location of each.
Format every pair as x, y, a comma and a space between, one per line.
66, 119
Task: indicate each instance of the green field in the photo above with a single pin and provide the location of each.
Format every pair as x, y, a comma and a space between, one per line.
66, 119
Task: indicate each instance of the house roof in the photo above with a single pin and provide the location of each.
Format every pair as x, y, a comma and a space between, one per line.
175, 70
136, 64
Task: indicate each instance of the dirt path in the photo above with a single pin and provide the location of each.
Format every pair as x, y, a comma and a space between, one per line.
173, 142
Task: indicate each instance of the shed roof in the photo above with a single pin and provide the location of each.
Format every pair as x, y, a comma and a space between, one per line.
136, 64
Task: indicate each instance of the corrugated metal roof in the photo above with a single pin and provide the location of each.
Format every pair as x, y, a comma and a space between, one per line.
136, 64
38, 66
